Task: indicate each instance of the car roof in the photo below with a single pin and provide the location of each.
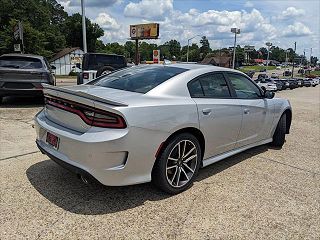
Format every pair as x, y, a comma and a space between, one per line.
105, 54
194, 66
22, 55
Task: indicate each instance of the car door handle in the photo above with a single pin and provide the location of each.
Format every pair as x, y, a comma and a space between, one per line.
246, 111
206, 111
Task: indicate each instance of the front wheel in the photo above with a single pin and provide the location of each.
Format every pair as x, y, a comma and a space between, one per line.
178, 164
280, 133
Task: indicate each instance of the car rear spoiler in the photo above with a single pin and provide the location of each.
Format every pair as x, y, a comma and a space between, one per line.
81, 94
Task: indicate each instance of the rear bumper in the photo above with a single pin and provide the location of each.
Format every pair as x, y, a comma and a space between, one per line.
71, 168
26, 88
114, 157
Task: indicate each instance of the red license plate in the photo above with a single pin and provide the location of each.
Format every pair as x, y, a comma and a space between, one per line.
53, 140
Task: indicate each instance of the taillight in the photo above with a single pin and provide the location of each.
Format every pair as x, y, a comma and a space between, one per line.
85, 75
91, 116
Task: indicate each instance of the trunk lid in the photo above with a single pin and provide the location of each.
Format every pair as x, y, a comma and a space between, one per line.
86, 95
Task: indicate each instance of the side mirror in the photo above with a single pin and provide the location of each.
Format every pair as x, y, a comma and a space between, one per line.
269, 94
53, 67
78, 65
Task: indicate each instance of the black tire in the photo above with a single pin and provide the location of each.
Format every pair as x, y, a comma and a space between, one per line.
280, 133
160, 172
1, 98
103, 69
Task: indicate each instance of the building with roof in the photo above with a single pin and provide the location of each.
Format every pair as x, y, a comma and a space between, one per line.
221, 60
65, 61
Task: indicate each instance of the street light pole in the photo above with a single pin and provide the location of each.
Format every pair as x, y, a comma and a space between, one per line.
188, 51
235, 31
84, 32
269, 44
189, 44
294, 53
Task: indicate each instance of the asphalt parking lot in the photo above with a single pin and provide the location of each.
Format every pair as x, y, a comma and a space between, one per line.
262, 193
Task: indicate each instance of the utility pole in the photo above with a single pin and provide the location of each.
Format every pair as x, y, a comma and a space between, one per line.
235, 31
269, 44
84, 32
294, 53
189, 44
310, 55
21, 36
136, 61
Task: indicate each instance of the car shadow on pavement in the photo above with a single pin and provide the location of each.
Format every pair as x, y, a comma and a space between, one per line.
67, 191
22, 102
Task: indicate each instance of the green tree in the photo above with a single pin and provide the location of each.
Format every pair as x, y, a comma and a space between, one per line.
42, 21
114, 48
174, 48
73, 32
129, 49
194, 53
205, 47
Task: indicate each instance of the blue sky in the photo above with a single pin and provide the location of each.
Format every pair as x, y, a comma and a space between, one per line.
281, 22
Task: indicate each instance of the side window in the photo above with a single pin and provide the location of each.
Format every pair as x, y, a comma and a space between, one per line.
195, 89
215, 86
209, 86
244, 87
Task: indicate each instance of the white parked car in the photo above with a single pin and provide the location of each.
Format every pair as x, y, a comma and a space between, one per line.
274, 75
266, 86
157, 123
314, 82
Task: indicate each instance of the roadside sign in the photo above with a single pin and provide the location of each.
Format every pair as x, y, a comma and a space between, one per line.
16, 32
17, 48
235, 30
248, 48
75, 59
144, 31
156, 56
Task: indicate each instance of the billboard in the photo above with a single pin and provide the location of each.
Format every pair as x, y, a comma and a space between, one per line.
156, 56
248, 48
144, 31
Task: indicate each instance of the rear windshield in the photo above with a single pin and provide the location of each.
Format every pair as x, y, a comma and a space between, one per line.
97, 61
139, 79
20, 62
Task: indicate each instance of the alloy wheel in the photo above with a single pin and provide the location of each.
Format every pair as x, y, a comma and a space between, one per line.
181, 163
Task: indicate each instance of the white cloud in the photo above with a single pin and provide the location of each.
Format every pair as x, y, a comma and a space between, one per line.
149, 9
216, 24
248, 4
210, 17
292, 12
107, 22
298, 29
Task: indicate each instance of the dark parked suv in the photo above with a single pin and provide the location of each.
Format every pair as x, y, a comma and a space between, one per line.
96, 64
23, 74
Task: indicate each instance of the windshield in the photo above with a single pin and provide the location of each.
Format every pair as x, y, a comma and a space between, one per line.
139, 79
20, 62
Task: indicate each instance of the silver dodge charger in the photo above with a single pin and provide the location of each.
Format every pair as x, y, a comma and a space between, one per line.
158, 123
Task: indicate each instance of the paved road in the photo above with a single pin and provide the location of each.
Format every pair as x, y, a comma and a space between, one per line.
262, 193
